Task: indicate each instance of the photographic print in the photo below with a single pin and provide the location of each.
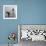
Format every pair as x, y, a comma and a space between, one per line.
33, 32
9, 11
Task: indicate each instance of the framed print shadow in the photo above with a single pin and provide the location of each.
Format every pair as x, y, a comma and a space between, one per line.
9, 11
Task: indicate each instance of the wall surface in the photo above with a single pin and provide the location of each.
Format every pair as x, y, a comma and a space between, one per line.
28, 12
33, 12
7, 26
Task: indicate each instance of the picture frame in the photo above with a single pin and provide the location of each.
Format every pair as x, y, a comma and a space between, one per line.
9, 11
36, 32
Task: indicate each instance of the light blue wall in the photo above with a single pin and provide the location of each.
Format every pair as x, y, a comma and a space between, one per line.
33, 12
7, 26
29, 12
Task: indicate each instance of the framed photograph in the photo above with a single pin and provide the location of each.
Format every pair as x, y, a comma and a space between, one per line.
9, 11
31, 32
